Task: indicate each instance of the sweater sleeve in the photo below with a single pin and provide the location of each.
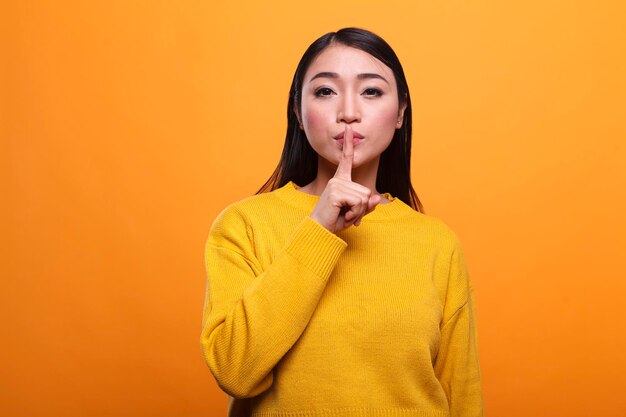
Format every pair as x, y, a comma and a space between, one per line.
457, 366
253, 316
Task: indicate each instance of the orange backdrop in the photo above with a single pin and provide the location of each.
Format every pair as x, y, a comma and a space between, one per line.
127, 126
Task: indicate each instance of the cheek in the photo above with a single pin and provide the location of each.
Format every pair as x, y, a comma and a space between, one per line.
388, 118
313, 119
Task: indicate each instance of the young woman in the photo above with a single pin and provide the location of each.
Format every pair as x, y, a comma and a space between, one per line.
332, 294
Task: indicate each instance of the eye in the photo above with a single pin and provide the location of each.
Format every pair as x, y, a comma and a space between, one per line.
372, 92
324, 92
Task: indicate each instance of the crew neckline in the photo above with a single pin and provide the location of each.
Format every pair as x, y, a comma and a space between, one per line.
291, 194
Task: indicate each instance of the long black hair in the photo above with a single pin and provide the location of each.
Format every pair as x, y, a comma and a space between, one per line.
298, 162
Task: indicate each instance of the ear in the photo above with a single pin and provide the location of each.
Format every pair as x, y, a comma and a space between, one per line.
401, 110
297, 113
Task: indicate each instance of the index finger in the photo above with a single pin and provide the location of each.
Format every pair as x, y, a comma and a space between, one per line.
344, 169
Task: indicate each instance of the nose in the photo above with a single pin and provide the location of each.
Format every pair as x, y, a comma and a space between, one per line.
349, 110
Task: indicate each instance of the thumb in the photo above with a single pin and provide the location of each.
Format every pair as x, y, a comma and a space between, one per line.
373, 202
371, 205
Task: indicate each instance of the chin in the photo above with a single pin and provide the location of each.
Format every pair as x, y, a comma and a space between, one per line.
359, 163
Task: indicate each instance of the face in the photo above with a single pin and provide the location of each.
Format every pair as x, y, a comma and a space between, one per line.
345, 85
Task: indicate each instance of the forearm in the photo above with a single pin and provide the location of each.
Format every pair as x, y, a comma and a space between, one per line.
457, 365
250, 326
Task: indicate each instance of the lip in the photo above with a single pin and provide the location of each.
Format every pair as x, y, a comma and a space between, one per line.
356, 135
355, 141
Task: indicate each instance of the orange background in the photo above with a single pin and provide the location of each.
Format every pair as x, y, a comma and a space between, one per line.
127, 126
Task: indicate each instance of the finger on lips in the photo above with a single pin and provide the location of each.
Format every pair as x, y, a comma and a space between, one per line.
344, 169
354, 200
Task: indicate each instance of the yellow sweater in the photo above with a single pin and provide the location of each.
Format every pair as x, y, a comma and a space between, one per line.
377, 320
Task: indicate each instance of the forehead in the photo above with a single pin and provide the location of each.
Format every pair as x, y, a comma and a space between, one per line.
347, 62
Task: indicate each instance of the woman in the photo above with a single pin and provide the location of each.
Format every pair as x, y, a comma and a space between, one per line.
333, 294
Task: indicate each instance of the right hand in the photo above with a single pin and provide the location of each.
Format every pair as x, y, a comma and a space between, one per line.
343, 202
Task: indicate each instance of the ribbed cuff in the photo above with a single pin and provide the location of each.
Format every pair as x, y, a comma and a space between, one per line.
315, 247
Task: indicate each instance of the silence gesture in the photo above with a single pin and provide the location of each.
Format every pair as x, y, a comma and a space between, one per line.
343, 202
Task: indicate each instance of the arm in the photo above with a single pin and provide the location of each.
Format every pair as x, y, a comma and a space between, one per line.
252, 317
457, 366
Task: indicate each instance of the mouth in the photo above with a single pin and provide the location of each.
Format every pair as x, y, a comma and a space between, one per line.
355, 135
356, 138
355, 141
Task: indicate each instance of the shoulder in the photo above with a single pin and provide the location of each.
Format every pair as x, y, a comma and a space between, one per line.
450, 275
235, 220
248, 207
431, 228
440, 228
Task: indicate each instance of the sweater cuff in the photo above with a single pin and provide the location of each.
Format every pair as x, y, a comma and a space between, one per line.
315, 247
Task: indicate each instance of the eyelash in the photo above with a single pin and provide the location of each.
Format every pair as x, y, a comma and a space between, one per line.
319, 92
377, 92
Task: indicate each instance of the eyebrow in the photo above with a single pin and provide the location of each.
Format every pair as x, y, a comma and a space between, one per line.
364, 76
